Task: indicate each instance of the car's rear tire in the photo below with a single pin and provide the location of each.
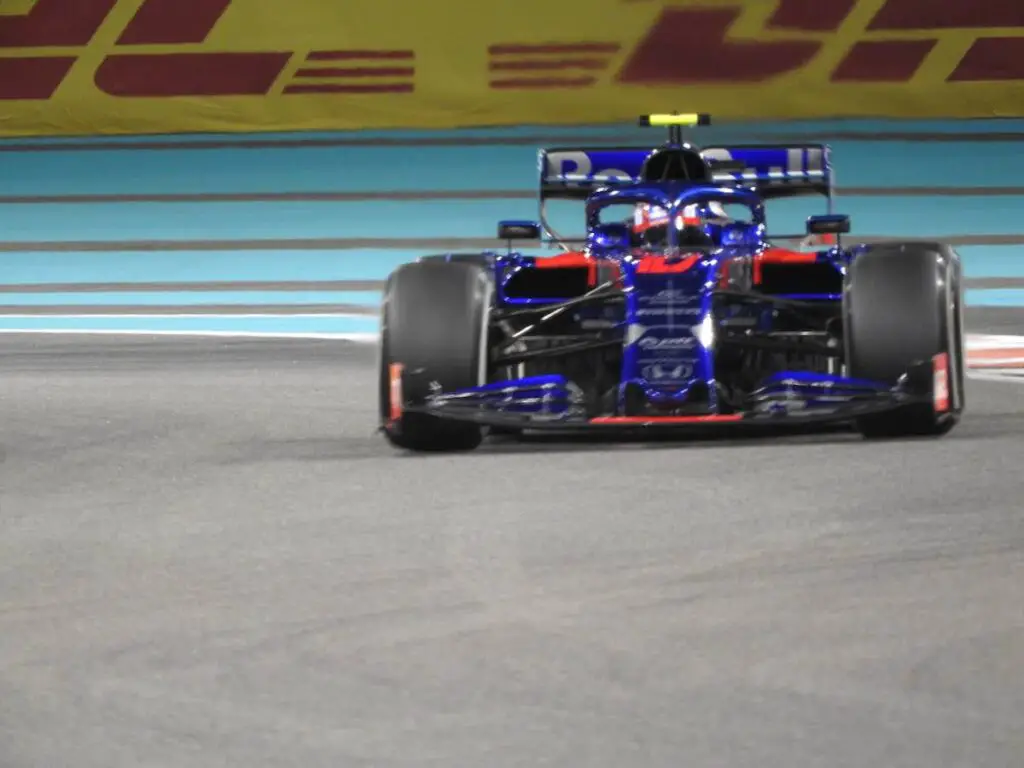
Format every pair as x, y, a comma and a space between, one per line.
903, 308
434, 321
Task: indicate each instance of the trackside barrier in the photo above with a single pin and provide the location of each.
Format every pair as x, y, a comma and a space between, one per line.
147, 66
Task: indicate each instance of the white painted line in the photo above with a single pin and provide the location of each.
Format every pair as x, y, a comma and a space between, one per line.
982, 341
137, 316
976, 343
1004, 377
356, 337
1012, 363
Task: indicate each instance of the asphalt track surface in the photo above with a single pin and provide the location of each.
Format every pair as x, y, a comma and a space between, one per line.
209, 558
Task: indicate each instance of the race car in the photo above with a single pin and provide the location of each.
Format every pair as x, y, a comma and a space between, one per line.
684, 317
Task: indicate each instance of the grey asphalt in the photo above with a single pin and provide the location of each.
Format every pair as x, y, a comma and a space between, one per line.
208, 558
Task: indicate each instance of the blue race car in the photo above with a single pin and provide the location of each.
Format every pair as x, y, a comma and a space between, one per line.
677, 313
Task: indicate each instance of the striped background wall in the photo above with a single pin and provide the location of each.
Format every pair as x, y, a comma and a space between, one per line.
284, 233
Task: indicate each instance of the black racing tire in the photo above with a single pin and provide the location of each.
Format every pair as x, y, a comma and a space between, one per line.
903, 306
483, 260
434, 321
479, 259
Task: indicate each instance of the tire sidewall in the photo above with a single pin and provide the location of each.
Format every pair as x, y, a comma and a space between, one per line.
869, 353
471, 284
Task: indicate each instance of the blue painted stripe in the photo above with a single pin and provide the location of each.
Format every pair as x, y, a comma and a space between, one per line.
995, 297
992, 260
298, 323
232, 221
351, 169
985, 125
368, 299
294, 169
216, 323
914, 217
199, 266
223, 266
910, 217
927, 164
185, 299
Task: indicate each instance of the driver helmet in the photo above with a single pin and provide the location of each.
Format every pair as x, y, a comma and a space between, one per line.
651, 222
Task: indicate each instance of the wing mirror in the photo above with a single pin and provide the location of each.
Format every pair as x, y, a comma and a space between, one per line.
832, 224
518, 230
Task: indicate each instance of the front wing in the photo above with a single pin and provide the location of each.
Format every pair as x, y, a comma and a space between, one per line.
788, 400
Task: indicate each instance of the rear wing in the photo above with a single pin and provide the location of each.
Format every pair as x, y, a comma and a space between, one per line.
773, 171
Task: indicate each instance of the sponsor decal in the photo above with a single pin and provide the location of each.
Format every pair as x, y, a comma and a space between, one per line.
668, 312
667, 343
785, 406
168, 66
880, 42
131, 69
549, 65
671, 296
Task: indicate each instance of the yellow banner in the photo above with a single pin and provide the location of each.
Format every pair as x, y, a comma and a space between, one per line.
163, 66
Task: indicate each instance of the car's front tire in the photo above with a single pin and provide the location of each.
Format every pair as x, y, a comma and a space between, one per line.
434, 333
903, 308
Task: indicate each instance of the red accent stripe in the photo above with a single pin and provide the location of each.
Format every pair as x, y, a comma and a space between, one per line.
570, 260
562, 261
395, 391
665, 419
782, 256
513, 48
346, 55
540, 64
544, 82
357, 72
657, 265
331, 88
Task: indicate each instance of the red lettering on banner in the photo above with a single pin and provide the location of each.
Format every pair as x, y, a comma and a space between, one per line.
173, 21
883, 61
548, 65
55, 23
948, 14
368, 72
991, 58
36, 78
690, 46
190, 74
163, 75
811, 15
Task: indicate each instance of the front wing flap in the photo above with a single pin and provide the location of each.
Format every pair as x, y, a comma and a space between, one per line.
552, 403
